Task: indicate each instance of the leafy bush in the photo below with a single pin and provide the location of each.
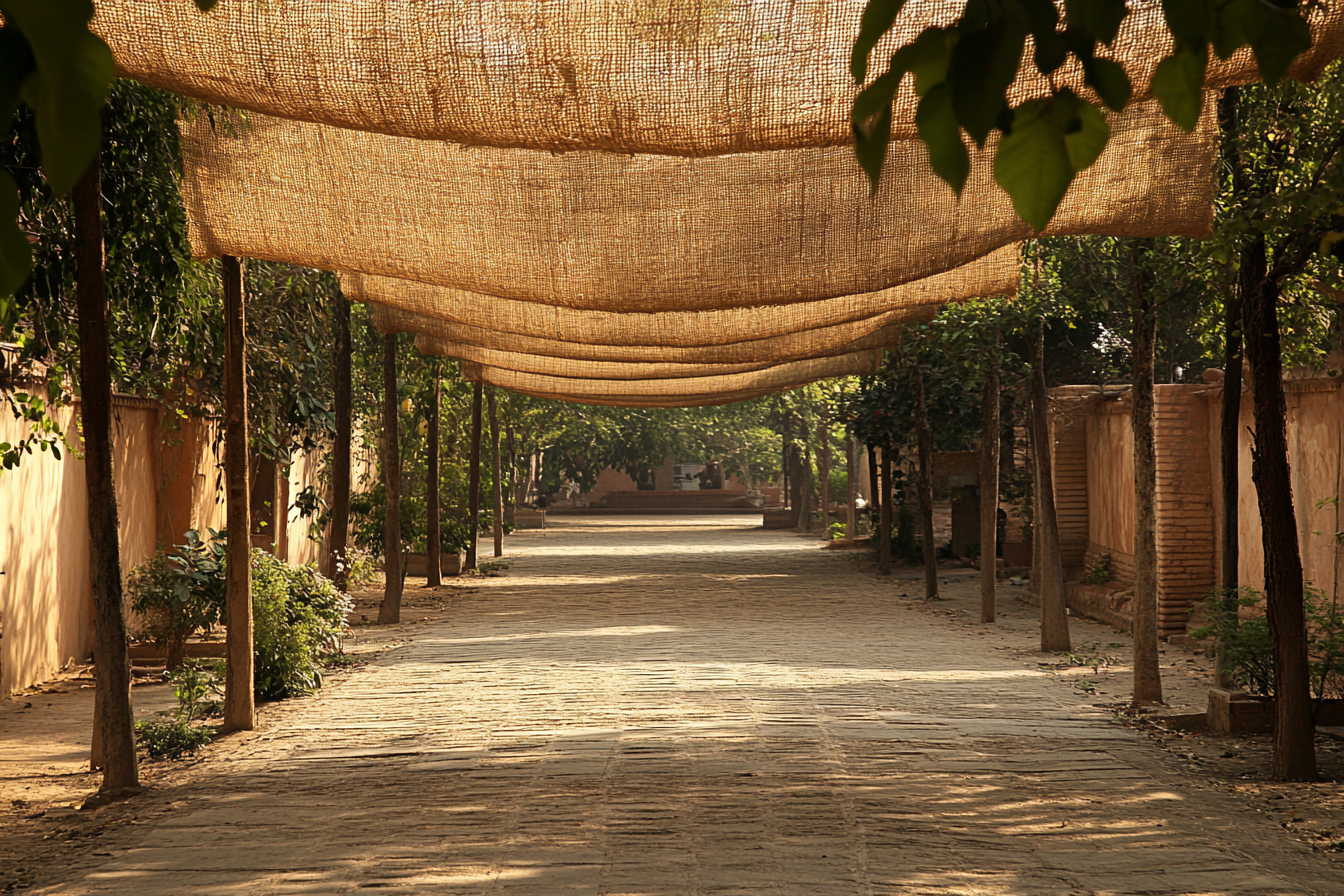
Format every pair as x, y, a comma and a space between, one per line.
1249, 647
361, 566
1102, 573
180, 593
368, 510
170, 739
297, 616
837, 531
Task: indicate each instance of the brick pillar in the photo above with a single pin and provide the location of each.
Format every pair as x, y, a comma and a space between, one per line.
1186, 532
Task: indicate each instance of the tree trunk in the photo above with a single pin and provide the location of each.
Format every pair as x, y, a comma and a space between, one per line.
474, 479
875, 506
924, 486
793, 470
1229, 431
1054, 616
1294, 747
786, 493
114, 722
824, 468
340, 450
239, 700
513, 475
883, 487
389, 613
1147, 671
851, 474
281, 509
499, 484
433, 535
989, 486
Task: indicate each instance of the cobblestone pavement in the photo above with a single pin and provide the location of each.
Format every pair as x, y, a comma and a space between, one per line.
691, 706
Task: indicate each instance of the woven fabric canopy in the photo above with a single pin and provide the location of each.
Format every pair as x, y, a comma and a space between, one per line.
686, 77
997, 274
599, 231
684, 392
438, 338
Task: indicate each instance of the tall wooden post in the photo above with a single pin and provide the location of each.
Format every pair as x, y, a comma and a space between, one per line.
340, 449
824, 468
883, 487
989, 485
851, 474
474, 479
512, 504
499, 484
1229, 430
433, 536
239, 701
114, 729
1054, 614
924, 442
389, 612
1147, 671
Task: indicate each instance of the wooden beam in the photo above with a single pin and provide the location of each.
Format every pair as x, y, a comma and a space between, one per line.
239, 701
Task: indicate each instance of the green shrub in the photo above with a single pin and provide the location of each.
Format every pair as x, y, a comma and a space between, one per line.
170, 739
198, 688
1102, 573
297, 615
1249, 646
180, 593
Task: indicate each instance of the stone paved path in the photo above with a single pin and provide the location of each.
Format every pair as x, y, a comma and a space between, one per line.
693, 706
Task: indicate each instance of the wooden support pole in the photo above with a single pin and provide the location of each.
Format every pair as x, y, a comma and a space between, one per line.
239, 701
924, 482
883, 487
433, 534
340, 450
1229, 430
989, 485
1143, 343
824, 469
474, 478
114, 729
1050, 569
499, 484
389, 612
851, 474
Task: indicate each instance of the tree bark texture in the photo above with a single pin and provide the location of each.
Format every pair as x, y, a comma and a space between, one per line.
989, 485
824, 469
340, 449
389, 612
433, 534
114, 722
474, 477
1229, 460
513, 474
786, 493
883, 487
875, 507
499, 482
1294, 732
793, 468
851, 475
1054, 615
1229, 473
239, 700
924, 485
1147, 671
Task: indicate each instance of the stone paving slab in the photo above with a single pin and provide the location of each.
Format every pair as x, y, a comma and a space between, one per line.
692, 706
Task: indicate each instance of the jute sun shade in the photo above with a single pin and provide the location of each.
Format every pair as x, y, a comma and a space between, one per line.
684, 392
685, 77
996, 274
604, 232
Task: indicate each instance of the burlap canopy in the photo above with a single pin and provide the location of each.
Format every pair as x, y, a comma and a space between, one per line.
599, 231
686, 77
997, 274
686, 392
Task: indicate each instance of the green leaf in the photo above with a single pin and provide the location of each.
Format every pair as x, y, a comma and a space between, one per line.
16, 256
1178, 84
985, 63
1032, 163
927, 58
1086, 134
206, 5
870, 145
876, 96
1277, 36
1190, 21
1109, 80
878, 17
66, 90
1099, 18
16, 63
938, 129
